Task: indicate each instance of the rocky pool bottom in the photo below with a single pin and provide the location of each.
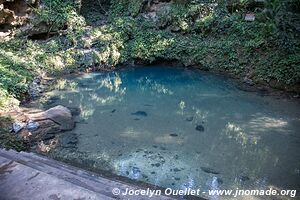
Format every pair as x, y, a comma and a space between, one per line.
179, 128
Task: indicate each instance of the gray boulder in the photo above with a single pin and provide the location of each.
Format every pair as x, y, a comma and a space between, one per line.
60, 115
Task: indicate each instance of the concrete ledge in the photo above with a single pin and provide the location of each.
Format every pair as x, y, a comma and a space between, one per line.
27, 176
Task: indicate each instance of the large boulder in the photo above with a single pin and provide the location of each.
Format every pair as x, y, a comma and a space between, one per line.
60, 115
34, 125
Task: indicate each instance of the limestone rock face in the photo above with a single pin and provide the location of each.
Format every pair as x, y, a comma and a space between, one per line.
14, 14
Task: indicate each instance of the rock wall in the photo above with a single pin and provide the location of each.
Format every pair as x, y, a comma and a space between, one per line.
15, 13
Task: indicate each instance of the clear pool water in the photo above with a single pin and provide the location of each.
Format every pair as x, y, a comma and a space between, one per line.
180, 128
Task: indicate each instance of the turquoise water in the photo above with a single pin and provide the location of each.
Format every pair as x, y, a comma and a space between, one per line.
180, 128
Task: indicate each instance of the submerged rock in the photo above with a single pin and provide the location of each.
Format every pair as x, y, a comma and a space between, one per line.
155, 165
176, 170
244, 178
49, 137
69, 141
163, 148
140, 113
209, 170
189, 119
75, 111
145, 176
199, 128
135, 172
54, 98
52, 101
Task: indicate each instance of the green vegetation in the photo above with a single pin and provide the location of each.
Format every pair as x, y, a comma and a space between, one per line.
211, 36
7, 139
58, 14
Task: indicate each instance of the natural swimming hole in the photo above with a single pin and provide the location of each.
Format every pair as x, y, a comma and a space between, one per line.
179, 128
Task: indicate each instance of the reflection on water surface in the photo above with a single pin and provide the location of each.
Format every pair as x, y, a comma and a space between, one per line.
180, 128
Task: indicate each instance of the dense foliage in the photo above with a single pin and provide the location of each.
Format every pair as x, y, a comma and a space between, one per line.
209, 35
215, 36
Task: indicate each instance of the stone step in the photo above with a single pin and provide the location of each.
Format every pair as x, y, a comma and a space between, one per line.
28, 176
